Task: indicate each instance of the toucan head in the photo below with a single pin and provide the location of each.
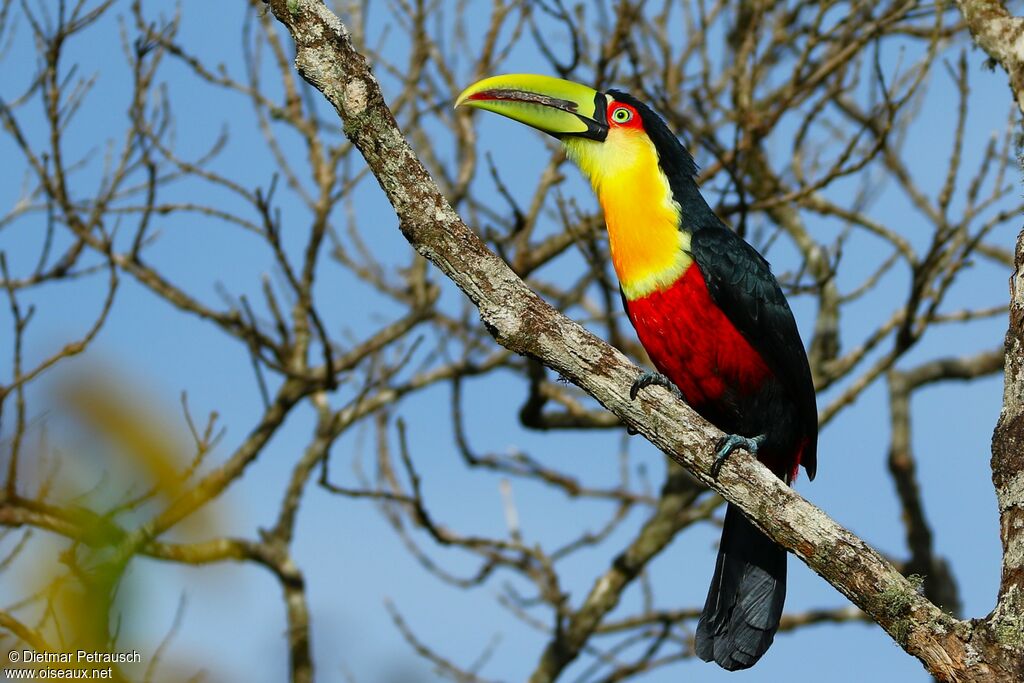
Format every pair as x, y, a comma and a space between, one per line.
602, 131
642, 174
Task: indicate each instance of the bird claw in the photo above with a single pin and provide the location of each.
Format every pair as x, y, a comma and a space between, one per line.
650, 378
727, 444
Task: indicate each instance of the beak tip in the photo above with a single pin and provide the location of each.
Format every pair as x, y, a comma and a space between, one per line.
465, 97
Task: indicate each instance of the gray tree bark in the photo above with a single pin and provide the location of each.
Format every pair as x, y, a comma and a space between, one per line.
952, 650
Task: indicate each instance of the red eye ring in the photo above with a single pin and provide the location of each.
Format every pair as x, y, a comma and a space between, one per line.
621, 115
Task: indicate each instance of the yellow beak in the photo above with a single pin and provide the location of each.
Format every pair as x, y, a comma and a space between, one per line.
553, 105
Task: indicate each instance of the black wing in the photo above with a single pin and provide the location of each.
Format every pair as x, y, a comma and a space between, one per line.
741, 283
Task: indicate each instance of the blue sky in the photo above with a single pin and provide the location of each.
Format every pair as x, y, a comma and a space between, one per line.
233, 621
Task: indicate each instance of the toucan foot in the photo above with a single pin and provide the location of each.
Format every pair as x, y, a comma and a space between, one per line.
727, 444
650, 378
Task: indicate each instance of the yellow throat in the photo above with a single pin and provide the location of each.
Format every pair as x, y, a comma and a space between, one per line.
648, 248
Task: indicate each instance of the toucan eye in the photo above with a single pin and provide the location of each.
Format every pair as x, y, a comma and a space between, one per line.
621, 115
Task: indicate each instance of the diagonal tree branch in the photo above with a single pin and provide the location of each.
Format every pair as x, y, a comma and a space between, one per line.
522, 322
1001, 36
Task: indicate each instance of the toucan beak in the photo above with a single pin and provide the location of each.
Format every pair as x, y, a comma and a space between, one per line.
553, 105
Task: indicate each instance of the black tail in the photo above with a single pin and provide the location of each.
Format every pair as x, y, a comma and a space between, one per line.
745, 599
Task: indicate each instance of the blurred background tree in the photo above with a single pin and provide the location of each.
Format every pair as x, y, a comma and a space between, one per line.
184, 221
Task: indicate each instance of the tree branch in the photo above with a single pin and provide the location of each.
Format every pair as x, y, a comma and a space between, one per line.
1008, 461
524, 323
1001, 36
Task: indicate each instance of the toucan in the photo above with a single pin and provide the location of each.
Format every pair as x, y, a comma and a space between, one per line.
707, 310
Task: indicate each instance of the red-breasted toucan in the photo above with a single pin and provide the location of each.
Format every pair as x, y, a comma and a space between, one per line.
707, 309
